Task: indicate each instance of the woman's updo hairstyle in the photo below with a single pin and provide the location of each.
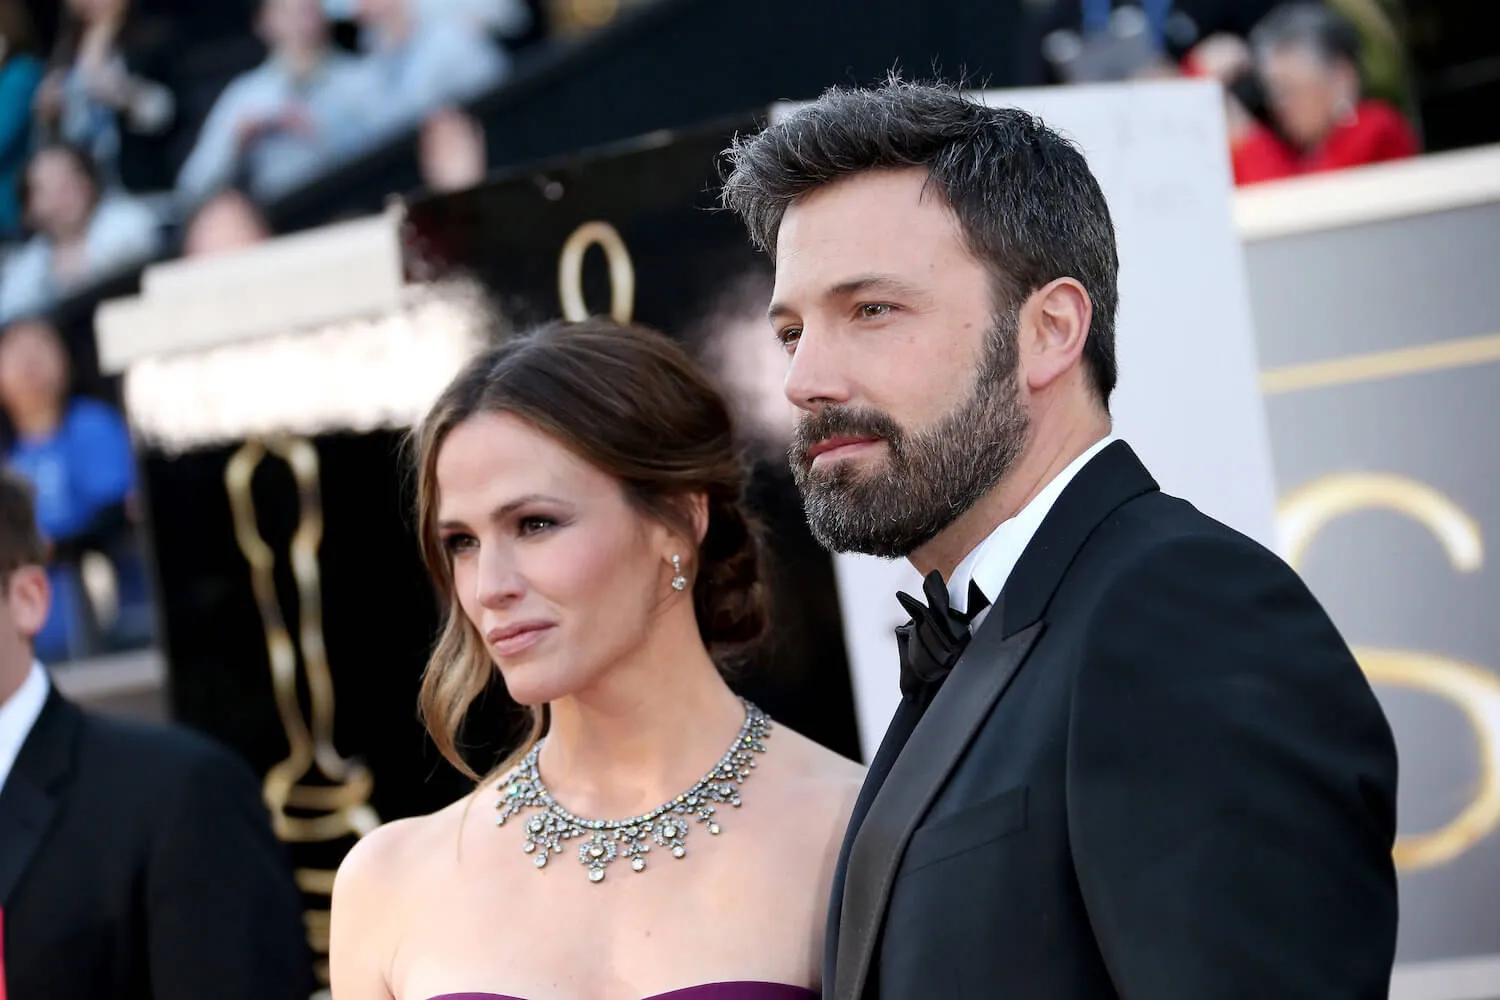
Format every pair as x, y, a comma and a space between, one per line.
633, 404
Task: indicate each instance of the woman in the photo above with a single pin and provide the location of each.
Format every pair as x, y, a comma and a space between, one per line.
105, 92
579, 507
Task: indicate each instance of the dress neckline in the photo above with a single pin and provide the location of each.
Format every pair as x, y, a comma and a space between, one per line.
783, 991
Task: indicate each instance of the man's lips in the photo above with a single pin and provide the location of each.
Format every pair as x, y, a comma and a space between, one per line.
839, 443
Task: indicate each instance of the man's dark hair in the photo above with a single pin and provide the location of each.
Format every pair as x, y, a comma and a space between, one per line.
20, 542
1028, 206
1309, 25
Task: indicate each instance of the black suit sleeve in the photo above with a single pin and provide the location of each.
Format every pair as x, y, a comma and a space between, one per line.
1231, 786
224, 917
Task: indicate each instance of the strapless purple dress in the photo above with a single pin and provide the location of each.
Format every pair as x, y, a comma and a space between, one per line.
708, 991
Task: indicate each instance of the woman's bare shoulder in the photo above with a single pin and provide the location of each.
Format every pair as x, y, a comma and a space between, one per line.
818, 772
395, 852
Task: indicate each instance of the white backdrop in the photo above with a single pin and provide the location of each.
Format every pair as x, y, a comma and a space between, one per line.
1188, 400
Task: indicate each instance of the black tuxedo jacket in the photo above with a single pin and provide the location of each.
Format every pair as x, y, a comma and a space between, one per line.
1156, 773
138, 863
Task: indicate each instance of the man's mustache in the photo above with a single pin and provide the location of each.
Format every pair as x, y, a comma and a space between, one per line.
840, 421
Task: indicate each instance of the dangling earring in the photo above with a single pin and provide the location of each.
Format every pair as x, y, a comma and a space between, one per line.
679, 582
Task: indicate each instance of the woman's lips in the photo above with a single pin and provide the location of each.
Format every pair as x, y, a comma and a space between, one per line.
511, 640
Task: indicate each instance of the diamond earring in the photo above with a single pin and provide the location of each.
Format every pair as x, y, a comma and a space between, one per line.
679, 582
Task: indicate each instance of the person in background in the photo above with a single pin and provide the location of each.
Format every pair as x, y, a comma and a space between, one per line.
76, 454
227, 221
81, 232
451, 151
1307, 57
20, 75
418, 63
506, 18
139, 862
287, 120
106, 92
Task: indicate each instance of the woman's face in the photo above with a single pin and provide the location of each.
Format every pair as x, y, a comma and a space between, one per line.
33, 370
559, 574
1306, 92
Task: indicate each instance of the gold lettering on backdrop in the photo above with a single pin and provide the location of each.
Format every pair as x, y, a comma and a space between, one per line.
1472, 688
621, 272
338, 805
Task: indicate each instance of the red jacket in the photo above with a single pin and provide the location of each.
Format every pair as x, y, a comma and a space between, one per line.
1375, 133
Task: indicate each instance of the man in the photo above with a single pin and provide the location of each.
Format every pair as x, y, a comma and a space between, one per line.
286, 121
136, 862
1133, 757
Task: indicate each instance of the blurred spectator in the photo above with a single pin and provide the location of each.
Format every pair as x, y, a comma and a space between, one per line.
419, 63
451, 151
284, 122
1307, 57
505, 18
76, 454
106, 92
139, 861
82, 233
20, 75
227, 221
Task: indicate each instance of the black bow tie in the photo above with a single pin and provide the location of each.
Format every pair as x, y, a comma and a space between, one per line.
932, 641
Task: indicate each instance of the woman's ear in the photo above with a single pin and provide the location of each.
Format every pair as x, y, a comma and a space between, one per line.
699, 515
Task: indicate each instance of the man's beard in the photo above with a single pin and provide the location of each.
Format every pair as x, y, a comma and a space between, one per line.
929, 478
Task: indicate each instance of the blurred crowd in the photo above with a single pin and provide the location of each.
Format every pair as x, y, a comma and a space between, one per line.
103, 162
104, 165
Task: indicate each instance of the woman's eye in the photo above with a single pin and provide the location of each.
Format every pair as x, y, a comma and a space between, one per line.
454, 544
535, 525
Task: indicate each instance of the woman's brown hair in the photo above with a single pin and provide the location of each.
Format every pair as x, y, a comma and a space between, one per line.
632, 403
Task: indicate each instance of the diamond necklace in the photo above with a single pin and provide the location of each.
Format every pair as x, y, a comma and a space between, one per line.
602, 841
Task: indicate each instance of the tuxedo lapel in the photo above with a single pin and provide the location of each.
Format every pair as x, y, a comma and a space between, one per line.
896, 735
29, 798
920, 768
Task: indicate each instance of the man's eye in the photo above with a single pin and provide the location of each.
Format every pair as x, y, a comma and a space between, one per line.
874, 310
788, 338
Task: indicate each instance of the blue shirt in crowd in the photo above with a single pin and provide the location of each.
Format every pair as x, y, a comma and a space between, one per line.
78, 472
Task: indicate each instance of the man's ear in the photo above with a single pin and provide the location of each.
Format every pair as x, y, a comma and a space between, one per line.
29, 595
1054, 326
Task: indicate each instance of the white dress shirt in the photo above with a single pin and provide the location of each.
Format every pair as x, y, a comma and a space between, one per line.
989, 564
18, 715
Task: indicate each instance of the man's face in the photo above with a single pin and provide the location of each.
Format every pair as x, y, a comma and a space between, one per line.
23, 612
904, 373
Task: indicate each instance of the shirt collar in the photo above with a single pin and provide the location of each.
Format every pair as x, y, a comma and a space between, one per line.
18, 714
989, 564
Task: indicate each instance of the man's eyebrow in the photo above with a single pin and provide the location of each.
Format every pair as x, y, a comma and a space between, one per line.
887, 283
